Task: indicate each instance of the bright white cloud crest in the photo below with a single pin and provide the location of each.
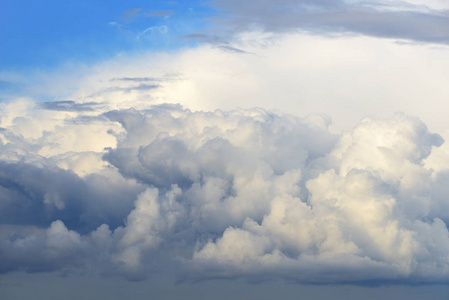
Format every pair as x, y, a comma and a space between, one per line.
95, 185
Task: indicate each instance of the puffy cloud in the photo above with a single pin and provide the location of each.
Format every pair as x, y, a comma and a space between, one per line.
367, 210
55, 248
245, 192
117, 181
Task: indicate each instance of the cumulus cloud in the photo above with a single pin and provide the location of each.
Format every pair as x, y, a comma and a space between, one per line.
240, 193
206, 191
365, 217
120, 181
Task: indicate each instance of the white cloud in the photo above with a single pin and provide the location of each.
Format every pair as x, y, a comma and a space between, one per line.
252, 193
347, 77
367, 210
120, 180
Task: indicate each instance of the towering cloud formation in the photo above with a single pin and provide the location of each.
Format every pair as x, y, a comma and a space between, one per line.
219, 194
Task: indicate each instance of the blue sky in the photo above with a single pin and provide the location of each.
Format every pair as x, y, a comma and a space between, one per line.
42, 34
257, 149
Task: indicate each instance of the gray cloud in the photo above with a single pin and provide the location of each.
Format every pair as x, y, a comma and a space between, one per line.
37, 196
202, 37
368, 18
160, 13
130, 15
142, 87
68, 105
233, 50
136, 79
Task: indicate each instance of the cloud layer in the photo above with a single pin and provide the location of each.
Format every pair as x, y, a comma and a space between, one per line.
417, 20
240, 193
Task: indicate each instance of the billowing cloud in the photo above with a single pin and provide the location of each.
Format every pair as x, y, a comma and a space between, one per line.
240, 193
269, 152
364, 217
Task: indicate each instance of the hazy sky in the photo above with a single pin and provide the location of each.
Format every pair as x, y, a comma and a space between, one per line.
224, 149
